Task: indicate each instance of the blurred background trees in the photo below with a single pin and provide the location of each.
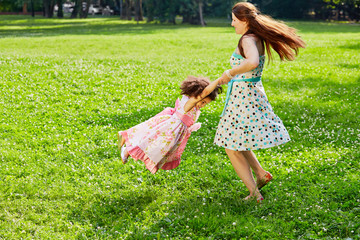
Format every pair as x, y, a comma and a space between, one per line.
190, 11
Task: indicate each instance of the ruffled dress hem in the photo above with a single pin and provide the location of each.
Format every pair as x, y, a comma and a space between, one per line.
138, 154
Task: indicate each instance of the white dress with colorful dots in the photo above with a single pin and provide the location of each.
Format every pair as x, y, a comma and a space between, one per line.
248, 121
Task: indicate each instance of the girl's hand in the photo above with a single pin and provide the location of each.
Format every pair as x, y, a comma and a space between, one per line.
224, 79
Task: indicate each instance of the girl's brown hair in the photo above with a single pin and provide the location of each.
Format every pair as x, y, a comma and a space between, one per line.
275, 34
193, 87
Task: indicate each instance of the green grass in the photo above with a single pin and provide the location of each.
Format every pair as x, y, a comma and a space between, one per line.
67, 86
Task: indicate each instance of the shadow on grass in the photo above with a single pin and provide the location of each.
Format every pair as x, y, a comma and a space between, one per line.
291, 197
299, 195
45, 28
350, 66
113, 26
124, 211
83, 29
355, 46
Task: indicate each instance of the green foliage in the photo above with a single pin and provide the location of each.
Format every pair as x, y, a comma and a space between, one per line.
323, 9
284, 9
67, 86
17, 5
9, 6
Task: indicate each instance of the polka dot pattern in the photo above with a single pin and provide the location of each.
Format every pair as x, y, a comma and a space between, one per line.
249, 122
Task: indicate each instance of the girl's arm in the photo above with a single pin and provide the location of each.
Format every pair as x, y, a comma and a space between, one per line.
192, 101
250, 62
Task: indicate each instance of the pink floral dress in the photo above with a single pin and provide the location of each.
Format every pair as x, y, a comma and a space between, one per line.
160, 141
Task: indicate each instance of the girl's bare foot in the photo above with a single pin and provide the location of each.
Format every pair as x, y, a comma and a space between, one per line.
122, 148
124, 154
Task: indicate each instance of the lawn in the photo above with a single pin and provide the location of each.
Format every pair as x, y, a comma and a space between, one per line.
67, 86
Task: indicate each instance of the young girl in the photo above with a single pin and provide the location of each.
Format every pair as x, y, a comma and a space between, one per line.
160, 141
248, 121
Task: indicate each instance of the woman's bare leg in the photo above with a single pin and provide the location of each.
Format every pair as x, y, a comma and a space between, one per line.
243, 170
254, 164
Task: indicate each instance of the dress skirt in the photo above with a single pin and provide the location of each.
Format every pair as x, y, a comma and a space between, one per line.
248, 121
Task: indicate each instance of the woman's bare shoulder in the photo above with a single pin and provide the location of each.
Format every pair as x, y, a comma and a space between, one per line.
251, 36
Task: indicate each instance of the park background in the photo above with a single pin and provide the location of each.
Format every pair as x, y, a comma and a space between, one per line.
69, 83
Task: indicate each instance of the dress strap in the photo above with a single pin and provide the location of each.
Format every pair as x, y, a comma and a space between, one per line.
229, 90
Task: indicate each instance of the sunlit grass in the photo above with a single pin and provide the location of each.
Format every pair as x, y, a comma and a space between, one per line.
67, 86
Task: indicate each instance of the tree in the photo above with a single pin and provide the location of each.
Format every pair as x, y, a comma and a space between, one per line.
150, 10
126, 10
13, 5
344, 9
189, 10
60, 13
138, 11
76, 8
323, 9
81, 8
201, 17
48, 6
32, 8
118, 4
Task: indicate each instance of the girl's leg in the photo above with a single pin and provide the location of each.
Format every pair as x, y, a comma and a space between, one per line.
122, 141
242, 168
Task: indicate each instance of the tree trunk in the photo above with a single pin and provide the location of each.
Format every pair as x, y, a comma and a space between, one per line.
51, 10
48, 6
202, 22
128, 9
123, 7
32, 8
118, 5
76, 9
25, 8
60, 13
138, 11
172, 12
150, 10
87, 7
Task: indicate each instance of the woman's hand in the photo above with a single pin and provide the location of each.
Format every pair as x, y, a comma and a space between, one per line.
224, 79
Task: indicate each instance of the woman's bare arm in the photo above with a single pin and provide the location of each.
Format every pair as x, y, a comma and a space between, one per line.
192, 101
250, 62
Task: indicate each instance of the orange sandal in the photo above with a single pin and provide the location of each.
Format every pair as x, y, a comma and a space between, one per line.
263, 181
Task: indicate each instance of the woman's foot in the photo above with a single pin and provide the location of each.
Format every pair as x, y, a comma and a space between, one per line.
264, 180
258, 198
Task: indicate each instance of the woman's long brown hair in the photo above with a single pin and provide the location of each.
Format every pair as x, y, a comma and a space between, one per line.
275, 34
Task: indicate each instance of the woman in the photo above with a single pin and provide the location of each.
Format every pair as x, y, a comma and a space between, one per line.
248, 122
